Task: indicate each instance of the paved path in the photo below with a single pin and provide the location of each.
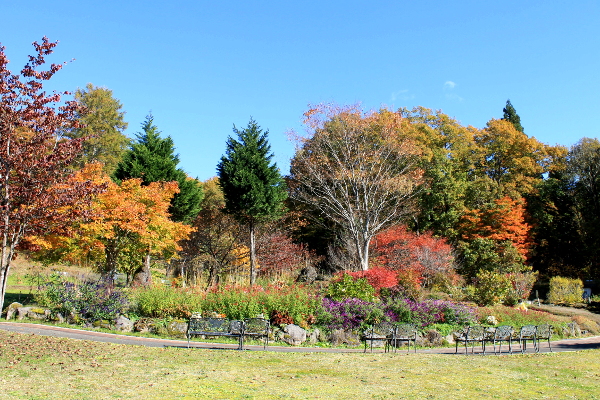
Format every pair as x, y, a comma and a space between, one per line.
78, 334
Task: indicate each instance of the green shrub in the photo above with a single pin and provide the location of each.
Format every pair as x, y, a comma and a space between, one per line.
92, 301
521, 285
165, 301
565, 290
490, 288
349, 287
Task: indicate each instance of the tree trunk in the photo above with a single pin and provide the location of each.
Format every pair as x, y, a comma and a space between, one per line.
143, 276
364, 261
252, 255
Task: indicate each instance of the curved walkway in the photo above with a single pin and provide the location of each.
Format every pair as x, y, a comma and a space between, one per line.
78, 334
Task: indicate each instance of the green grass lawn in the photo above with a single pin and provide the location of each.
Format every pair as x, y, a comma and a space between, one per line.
37, 367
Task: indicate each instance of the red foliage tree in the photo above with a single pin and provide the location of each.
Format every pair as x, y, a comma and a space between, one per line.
378, 277
418, 256
34, 158
278, 253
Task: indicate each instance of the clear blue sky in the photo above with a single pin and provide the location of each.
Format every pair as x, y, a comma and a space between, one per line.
203, 66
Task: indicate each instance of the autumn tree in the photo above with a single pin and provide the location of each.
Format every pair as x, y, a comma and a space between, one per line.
102, 122
358, 170
130, 223
512, 161
449, 152
252, 185
427, 258
34, 159
510, 115
213, 245
153, 159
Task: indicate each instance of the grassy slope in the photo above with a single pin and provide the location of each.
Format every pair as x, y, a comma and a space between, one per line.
36, 367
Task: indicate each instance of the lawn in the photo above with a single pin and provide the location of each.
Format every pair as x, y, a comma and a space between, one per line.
36, 367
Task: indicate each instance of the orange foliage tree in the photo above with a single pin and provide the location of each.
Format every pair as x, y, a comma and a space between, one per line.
505, 221
130, 223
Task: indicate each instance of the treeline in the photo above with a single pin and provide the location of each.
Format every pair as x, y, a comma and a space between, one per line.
413, 191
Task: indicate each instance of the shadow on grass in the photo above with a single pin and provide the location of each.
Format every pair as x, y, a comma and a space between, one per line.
19, 297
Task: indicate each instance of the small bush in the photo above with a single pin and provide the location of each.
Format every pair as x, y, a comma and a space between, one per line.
166, 302
378, 277
346, 286
349, 314
565, 290
92, 301
490, 288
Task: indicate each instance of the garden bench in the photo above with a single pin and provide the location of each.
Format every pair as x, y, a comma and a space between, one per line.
503, 333
527, 332
543, 332
209, 326
257, 328
472, 334
382, 331
405, 333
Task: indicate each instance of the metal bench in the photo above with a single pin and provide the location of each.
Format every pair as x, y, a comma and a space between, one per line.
380, 332
527, 332
472, 334
503, 333
543, 332
257, 328
405, 333
198, 325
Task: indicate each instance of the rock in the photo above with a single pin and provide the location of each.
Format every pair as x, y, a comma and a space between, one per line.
143, 325
22, 312
124, 324
314, 336
177, 328
449, 339
432, 338
308, 275
294, 335
572, 330
340, 336
12, 309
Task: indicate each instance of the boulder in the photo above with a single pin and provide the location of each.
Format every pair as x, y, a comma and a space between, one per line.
340, 336
11, 310
314, 336
294, 335
124, 324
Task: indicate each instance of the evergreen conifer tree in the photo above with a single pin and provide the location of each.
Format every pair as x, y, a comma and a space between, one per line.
510, 115
253, 188
153, 159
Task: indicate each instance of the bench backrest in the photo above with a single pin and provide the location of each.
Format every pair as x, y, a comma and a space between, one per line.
217, 325
504, 332
406, 331
544, 331
256, 326
381, 329
527, 331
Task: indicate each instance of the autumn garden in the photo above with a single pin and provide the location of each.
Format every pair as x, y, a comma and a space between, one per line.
401, 215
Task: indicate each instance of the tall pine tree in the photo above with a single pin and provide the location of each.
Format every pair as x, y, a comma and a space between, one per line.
153, 159
510, 115
253, 187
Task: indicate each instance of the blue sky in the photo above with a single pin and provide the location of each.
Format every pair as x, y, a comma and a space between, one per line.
202, 66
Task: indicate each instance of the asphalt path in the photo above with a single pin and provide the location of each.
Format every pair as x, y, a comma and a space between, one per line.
79, 334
